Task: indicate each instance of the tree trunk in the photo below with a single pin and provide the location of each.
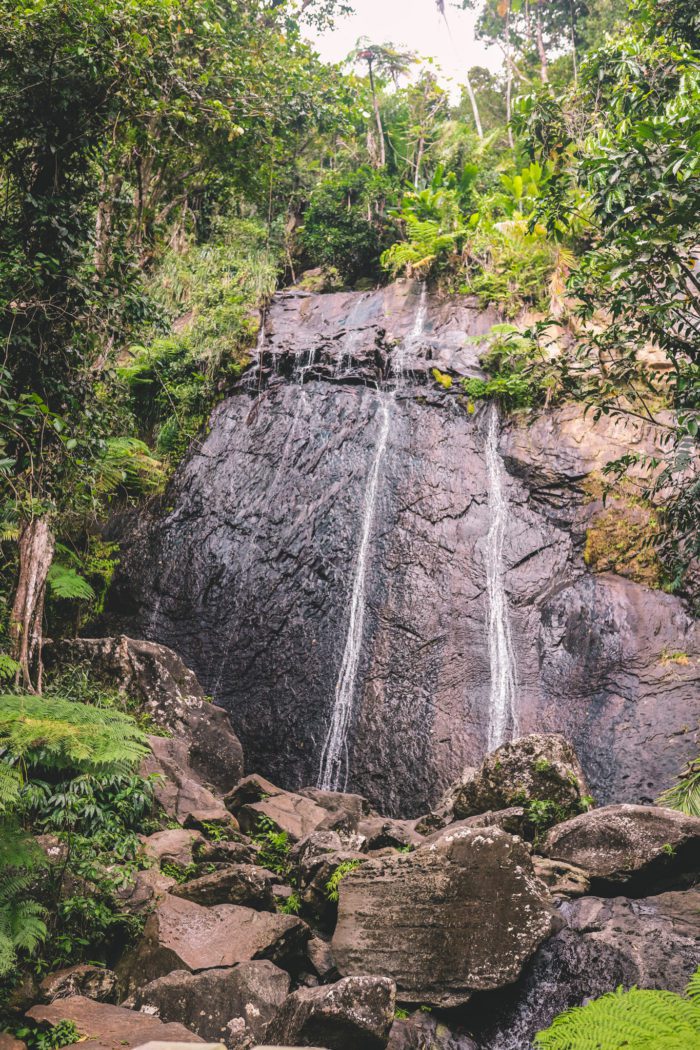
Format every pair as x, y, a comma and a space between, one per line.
544, 65
419, 161
377, 117
36, 546
475, 108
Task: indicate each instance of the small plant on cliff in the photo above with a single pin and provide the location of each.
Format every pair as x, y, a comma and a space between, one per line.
333, 884
634, 1020
274, 847
684, 795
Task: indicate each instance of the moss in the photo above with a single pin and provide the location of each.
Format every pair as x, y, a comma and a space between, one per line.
619, 540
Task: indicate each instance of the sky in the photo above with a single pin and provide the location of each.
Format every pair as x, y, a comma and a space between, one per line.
417, 25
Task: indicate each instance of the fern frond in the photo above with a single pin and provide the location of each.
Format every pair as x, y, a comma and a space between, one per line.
626, 1020
693, 988
70, 734
65, 582
8, 667
685, 794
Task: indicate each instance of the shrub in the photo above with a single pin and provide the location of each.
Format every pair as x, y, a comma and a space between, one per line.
346, 224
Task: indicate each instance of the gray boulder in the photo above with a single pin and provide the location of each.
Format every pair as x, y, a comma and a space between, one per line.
206, 1002
355, 1012
462, 914
244, 884
181, 935
179, 789
93, 982
651, 943
167, 691
174, 845
541, 767
640, 847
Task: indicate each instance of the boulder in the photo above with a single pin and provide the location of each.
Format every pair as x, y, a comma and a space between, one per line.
206, 1002
541, 767
244, 884
8, 1042
345, 811
252, 788
226, 852
639, 847
288, 812
179, 790
93, 982
563, 880
355, 1012
105, 1027
174, 845
147, 888
380, 832
462, 914
182, 935
421, 1031
651, 943
169, 693
511, 820
320, 955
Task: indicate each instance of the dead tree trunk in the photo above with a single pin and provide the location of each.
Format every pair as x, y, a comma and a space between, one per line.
36, 547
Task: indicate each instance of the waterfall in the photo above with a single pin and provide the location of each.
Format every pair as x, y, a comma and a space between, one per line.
334, 757
502, 713
335, 766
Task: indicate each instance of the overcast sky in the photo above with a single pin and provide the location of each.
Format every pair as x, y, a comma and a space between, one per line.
417, 25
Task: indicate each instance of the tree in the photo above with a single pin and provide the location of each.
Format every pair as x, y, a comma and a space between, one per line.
382, 60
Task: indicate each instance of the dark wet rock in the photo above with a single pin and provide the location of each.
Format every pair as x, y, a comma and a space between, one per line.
642, 848
169, 693
206, 1002
355, 1012
175, 845
651, 943
253, 549
244, 884
540, 766
420, 917
562, 879
105, 1027
420, 1031
181, 935
252, 788
93, 982
345, 811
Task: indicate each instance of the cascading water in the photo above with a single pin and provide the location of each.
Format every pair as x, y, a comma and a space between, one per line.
502, 710
334, 770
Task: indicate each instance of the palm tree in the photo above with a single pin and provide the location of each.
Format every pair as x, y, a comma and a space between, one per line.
384, 60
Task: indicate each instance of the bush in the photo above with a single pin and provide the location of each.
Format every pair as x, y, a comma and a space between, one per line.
346, 224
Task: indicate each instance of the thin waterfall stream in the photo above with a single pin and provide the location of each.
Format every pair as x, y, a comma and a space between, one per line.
502, 700
335, 766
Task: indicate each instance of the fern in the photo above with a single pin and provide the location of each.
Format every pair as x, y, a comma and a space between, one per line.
633, 1020
67, 583
8, 667
70, 735
22, 925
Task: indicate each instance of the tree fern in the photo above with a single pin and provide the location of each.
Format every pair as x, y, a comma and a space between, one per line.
65, 582
68, 734
629, 1020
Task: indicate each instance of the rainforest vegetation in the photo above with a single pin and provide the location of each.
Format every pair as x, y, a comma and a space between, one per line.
165, 166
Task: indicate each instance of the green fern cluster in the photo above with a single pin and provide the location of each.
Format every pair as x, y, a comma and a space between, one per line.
629, 1020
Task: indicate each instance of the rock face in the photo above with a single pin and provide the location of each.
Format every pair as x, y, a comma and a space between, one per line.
628, 846
110, 1027
167, 691
207, 1002
420, 1031
461, 915
355, 1012
181, 935
652, 943
539, 766
244, 884
92, 982
249, 572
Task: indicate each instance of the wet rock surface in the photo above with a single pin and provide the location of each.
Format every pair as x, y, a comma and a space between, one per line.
420, 1031
248, 574
461, 915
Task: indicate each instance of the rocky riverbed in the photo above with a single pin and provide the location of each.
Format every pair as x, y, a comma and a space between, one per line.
308, 918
